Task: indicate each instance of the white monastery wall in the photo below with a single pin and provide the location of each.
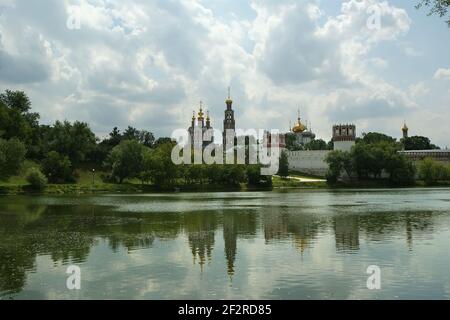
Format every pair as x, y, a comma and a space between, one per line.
309, 162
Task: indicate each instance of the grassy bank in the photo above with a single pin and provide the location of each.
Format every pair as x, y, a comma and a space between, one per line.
87, 185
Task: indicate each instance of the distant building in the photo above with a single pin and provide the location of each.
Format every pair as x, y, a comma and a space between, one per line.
405, 130
303, 134
419, 155
201, 129
274, 141
229, 123
344, 137
313, 162
437, 155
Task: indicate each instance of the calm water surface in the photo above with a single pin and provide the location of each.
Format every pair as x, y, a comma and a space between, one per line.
257, 245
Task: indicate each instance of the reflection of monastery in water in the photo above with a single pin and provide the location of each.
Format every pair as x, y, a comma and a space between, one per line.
346, 231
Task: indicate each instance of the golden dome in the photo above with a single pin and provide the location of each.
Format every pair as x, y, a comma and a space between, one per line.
229, 100
200, 113
405, 127
299, 127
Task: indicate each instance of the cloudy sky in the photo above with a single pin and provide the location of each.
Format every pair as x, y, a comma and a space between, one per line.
148, 63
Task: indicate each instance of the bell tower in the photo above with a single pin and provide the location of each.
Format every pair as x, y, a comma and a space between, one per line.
229, 123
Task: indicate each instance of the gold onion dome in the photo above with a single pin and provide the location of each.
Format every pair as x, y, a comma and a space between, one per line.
405, 127
200, 113
299, 127
229, 100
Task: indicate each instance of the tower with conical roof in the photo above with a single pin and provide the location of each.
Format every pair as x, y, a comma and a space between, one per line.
229, 123
405, 130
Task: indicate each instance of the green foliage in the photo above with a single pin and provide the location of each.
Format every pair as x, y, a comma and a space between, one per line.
338, 161
370, 161
255, 179
58, 168
15, 119
375, 137
162, 170
283, 170
36, 179
76, 140
401, 170
126, 160
432, 171
12, 155
291, 142
439, 7
162, 141
418, 143
318, 144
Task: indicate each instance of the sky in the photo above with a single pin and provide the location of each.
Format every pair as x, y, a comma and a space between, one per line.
148, 63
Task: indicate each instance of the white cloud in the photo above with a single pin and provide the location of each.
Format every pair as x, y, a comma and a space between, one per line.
442, 74
148, 63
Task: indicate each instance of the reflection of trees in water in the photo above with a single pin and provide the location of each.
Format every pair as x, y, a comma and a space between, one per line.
67, 233
379, 225
346, 232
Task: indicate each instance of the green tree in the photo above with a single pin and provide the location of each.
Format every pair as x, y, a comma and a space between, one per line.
126, 160
164, 172
291, 142
12, 155
375, 137
283, 169
58, 168
36, 179
401, 170
162, 141
432, 171
254, 177
233, 175
16, 120
76, 140
337, 161
146, 138
418, 143
318, 144
439, 7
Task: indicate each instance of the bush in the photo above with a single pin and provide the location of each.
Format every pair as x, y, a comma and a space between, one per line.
432, 171
58, 168
255, 178
36, 179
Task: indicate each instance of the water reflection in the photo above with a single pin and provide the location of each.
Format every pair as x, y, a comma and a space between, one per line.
67, 230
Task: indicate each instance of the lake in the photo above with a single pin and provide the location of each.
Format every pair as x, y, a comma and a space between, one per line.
302, 244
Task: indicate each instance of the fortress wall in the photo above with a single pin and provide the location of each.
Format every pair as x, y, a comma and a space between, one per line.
309, 162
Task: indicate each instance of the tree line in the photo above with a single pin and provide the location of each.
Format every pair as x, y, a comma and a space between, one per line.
64, 148
375, 156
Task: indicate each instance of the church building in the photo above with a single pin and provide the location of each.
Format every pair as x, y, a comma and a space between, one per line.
201, 130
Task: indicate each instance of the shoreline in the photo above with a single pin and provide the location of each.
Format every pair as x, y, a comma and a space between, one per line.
129, 188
